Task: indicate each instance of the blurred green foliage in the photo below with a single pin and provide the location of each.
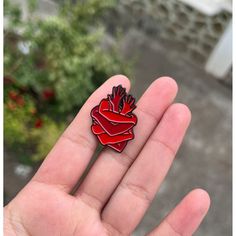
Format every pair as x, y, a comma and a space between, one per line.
51, 66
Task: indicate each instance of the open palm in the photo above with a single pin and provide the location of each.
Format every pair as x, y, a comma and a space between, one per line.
115, 194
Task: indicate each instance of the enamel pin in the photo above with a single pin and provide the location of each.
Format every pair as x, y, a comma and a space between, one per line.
113, 119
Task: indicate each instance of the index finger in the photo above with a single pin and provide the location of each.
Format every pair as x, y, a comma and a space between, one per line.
70, 156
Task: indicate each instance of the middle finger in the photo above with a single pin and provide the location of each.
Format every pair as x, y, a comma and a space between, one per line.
110, 166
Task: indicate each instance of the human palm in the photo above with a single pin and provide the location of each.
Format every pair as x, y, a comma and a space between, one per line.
114, 195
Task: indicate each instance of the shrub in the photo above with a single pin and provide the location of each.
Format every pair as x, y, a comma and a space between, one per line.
50, 68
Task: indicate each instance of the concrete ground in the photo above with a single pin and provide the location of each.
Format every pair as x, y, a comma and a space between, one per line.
204, 159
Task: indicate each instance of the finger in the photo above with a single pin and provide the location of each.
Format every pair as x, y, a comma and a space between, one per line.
137, 189
119, 89
110, 166
186, 217
122, 91
132, 102
114, 90
70, 156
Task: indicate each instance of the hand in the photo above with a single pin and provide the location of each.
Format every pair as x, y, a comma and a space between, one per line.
128, 105
115, 99
118, 189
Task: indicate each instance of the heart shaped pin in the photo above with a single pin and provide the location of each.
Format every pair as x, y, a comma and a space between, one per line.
113, 119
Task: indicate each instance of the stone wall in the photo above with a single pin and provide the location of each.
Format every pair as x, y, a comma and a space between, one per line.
172, 20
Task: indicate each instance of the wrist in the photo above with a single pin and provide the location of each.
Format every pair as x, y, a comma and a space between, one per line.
12, 223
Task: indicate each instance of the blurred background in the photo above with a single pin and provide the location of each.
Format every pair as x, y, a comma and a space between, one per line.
57, 52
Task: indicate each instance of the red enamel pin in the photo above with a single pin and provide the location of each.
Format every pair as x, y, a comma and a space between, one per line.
113, 119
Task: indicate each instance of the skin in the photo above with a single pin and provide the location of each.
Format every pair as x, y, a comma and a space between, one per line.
119, 188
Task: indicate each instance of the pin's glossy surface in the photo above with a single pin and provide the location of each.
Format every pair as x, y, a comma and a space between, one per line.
113, 119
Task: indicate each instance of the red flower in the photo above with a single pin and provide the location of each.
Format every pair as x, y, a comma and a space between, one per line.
38, 123
13, 95
48, 94
17, 98
20, 101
